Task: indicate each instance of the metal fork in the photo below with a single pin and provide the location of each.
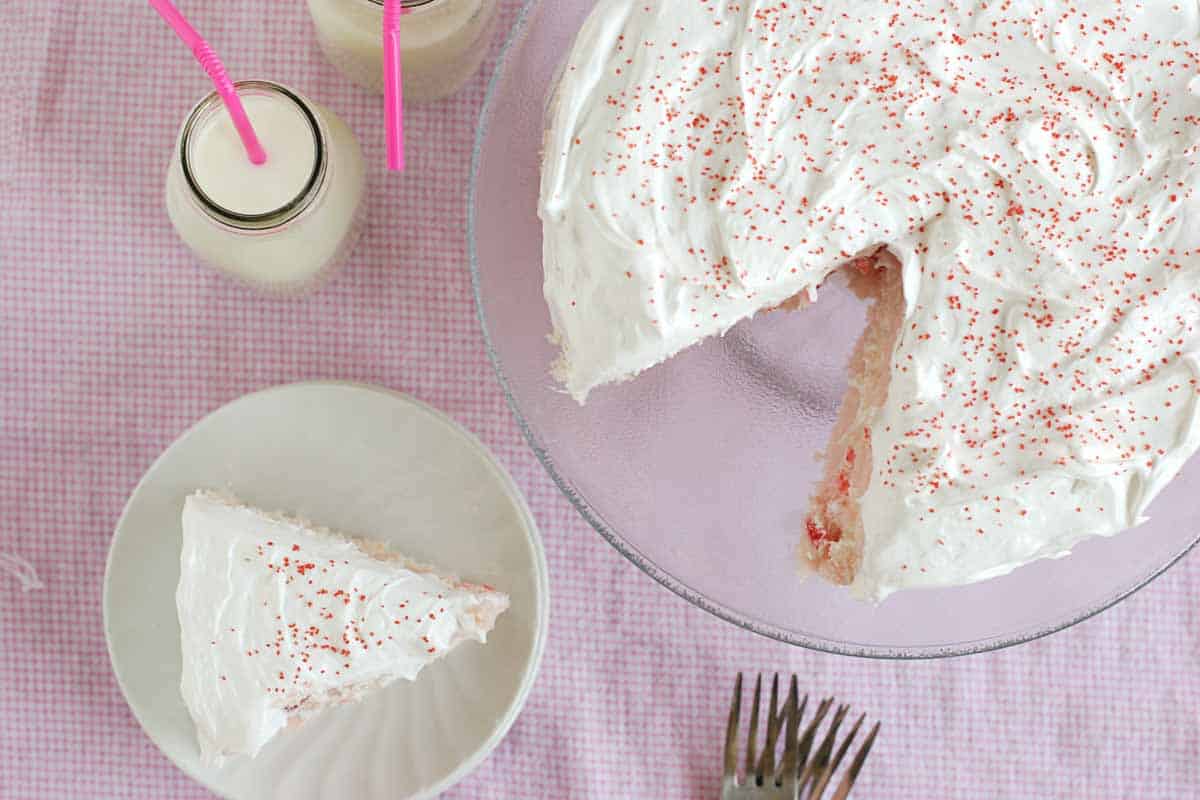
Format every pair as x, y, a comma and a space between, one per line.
796, 776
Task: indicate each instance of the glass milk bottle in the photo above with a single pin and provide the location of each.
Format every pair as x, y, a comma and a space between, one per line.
279, 226
442, 42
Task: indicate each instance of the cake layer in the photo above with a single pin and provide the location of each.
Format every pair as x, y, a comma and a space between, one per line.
833, 541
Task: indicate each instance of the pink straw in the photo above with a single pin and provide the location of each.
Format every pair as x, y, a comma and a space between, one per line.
393, 101
212, 65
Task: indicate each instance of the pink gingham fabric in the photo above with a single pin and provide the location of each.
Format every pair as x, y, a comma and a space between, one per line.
113, 341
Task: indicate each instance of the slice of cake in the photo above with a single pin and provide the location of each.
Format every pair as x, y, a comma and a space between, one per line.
280, 619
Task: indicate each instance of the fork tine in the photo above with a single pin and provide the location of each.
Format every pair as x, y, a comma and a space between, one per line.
788, 769
766, 765
810, 732
752, 738
837, 760
731, 730
820, 762
800, 718
855, 766
823, 780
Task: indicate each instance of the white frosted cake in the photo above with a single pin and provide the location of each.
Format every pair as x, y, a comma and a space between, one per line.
1016, 183
280, 619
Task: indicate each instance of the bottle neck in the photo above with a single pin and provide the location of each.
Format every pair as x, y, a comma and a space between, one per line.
308, 177
407, 4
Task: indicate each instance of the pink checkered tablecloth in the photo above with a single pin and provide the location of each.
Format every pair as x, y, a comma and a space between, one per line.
113, 341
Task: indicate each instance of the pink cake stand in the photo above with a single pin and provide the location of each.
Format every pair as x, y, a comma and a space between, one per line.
699, 470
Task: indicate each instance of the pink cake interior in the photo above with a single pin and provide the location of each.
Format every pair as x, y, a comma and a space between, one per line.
833, 543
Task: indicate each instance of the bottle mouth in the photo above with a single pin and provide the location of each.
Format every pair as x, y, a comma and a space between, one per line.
266, 219
408, 3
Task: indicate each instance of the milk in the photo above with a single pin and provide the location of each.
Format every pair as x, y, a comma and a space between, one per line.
279, 226
442, 42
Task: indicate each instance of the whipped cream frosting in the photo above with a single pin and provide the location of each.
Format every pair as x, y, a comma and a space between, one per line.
279, 619
1030, 164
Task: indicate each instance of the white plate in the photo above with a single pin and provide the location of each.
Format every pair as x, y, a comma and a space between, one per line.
365, 461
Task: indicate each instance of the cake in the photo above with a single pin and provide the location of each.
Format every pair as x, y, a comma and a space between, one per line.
279, 620
1012, 182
